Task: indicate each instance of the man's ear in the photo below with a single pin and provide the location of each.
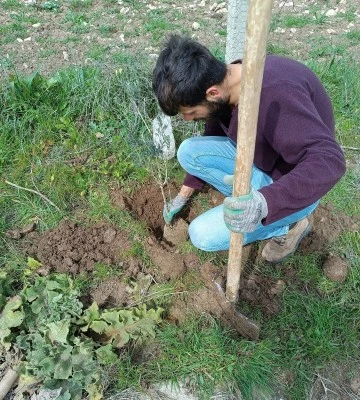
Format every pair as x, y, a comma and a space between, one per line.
213, 93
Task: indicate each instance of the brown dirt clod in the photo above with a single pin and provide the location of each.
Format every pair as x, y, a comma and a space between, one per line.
176, 233
335, 268
111, 292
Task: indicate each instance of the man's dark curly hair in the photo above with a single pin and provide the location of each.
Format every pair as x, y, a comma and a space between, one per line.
184, 71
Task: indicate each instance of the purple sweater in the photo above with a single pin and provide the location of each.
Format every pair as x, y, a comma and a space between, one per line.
295, 141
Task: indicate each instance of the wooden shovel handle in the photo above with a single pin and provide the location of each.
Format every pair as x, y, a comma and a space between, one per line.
258, 23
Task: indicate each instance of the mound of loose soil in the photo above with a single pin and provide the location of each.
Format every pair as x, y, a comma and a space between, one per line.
327, 226
73, 248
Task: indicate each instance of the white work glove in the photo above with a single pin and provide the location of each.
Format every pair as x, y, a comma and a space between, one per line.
244, 213
173, 207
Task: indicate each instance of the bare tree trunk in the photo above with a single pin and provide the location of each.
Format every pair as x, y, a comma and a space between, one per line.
236, 29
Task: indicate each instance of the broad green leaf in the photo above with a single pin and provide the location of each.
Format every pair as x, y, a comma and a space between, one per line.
47, 364
4, 333
53, 285
91, 313
62, 359
38, 305
94, 392
112, 317
105, 355
58, 331
120, 339
99, 326
63, 369
33, 264
11, 315
31, 293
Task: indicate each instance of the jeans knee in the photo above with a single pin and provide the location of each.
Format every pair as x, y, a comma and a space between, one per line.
197, 237
185, 152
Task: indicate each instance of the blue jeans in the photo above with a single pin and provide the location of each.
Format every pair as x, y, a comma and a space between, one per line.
210, 158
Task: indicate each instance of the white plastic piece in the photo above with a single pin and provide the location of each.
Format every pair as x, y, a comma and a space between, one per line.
163, 136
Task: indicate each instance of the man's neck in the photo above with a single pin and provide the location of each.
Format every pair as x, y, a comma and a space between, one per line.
232, 83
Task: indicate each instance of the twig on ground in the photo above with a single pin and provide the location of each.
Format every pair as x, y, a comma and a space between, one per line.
35, 192
350, 148
7, 382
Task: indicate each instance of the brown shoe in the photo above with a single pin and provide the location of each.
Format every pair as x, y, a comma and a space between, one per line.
281, 247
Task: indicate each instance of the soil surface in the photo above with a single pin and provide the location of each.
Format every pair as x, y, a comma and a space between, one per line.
76, 249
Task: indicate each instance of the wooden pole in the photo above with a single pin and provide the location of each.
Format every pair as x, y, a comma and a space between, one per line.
250, 88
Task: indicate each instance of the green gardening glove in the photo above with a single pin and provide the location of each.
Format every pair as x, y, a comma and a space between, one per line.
244, 213
173, 207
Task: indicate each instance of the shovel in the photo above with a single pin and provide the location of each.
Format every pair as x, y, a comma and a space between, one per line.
258, 22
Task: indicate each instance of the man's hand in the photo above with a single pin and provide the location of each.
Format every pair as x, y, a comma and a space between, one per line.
173, 207
244, 213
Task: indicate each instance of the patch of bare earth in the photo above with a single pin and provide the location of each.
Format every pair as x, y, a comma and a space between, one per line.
75, 249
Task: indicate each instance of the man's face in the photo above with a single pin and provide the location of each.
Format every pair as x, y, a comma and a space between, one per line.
207, 110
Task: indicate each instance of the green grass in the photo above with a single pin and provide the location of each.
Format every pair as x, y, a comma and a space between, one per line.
354, 37
49, 142
157, 25
11, 5
107, 30
12, 31
209, 357
80, 4
296, 21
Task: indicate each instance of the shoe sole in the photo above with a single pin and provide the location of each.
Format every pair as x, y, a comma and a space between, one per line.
305, 233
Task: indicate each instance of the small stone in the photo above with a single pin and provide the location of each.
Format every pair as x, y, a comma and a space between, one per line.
331, 12
292, 30
99, 135
289, 4
279, 30
28, 39
335, 268
36, 25
65, 55
19, 40
195, 26
202, 3
355, 385
331, 31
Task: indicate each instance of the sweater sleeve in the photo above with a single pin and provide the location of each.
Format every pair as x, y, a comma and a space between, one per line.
212, 128
294, 129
